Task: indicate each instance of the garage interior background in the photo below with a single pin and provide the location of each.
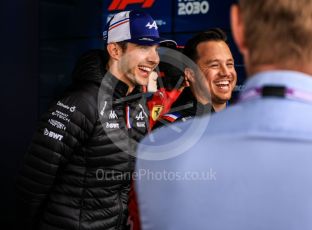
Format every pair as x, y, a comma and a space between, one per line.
41, 43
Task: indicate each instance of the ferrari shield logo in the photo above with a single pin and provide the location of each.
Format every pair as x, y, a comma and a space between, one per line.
156, 111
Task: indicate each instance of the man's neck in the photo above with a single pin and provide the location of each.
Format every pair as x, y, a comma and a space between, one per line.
114, 70
304, 68
218, 107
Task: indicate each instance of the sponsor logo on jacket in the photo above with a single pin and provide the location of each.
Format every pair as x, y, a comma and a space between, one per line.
112, 115
53, 135
140, 116
112, 125
156, 111
103, 109
60, 115
57, 124
70, 108
141, 124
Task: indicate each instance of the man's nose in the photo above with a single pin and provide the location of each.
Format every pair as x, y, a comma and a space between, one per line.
224, 71
153, 56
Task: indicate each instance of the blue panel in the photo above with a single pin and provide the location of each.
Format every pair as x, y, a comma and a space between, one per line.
181, 38
70, 18
196, 15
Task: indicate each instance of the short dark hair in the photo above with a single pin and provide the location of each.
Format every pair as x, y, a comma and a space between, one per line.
123, 45
215, 34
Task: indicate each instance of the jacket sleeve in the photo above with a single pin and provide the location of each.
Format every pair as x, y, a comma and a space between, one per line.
61, 130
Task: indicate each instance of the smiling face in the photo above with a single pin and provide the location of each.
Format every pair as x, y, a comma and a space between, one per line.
138, 62
216, 62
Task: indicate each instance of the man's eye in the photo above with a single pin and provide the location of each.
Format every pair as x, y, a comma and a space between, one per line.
214, 65
144, 47
230, 64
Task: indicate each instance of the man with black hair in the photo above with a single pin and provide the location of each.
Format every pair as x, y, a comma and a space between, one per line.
210, 51
211, 81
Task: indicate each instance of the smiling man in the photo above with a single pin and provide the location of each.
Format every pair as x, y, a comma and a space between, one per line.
210, 75
76, 174
210, 51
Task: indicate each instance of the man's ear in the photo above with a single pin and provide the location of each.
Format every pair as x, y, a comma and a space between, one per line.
189, 76
114, 50
238, 29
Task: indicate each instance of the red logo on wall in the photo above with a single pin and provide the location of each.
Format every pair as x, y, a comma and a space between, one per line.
122, 4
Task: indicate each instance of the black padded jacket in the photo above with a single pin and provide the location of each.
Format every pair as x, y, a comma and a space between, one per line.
76, 174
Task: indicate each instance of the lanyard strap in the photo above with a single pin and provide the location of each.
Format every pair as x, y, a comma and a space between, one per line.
276, 91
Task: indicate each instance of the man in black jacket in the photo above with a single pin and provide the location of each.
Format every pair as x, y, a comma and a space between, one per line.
211, 53
211, 77
76, 174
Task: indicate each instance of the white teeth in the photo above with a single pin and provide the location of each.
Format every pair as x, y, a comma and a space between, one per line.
223, 83
147, 69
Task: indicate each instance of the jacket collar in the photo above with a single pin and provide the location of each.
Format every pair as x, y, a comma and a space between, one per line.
289, 79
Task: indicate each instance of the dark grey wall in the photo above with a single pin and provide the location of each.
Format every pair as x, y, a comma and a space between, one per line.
18, 94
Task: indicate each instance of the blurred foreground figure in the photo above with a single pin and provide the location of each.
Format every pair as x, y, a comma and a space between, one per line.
251, 167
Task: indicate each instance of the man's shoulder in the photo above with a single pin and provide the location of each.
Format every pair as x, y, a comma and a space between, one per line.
84, 94
271, 117
77, 102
